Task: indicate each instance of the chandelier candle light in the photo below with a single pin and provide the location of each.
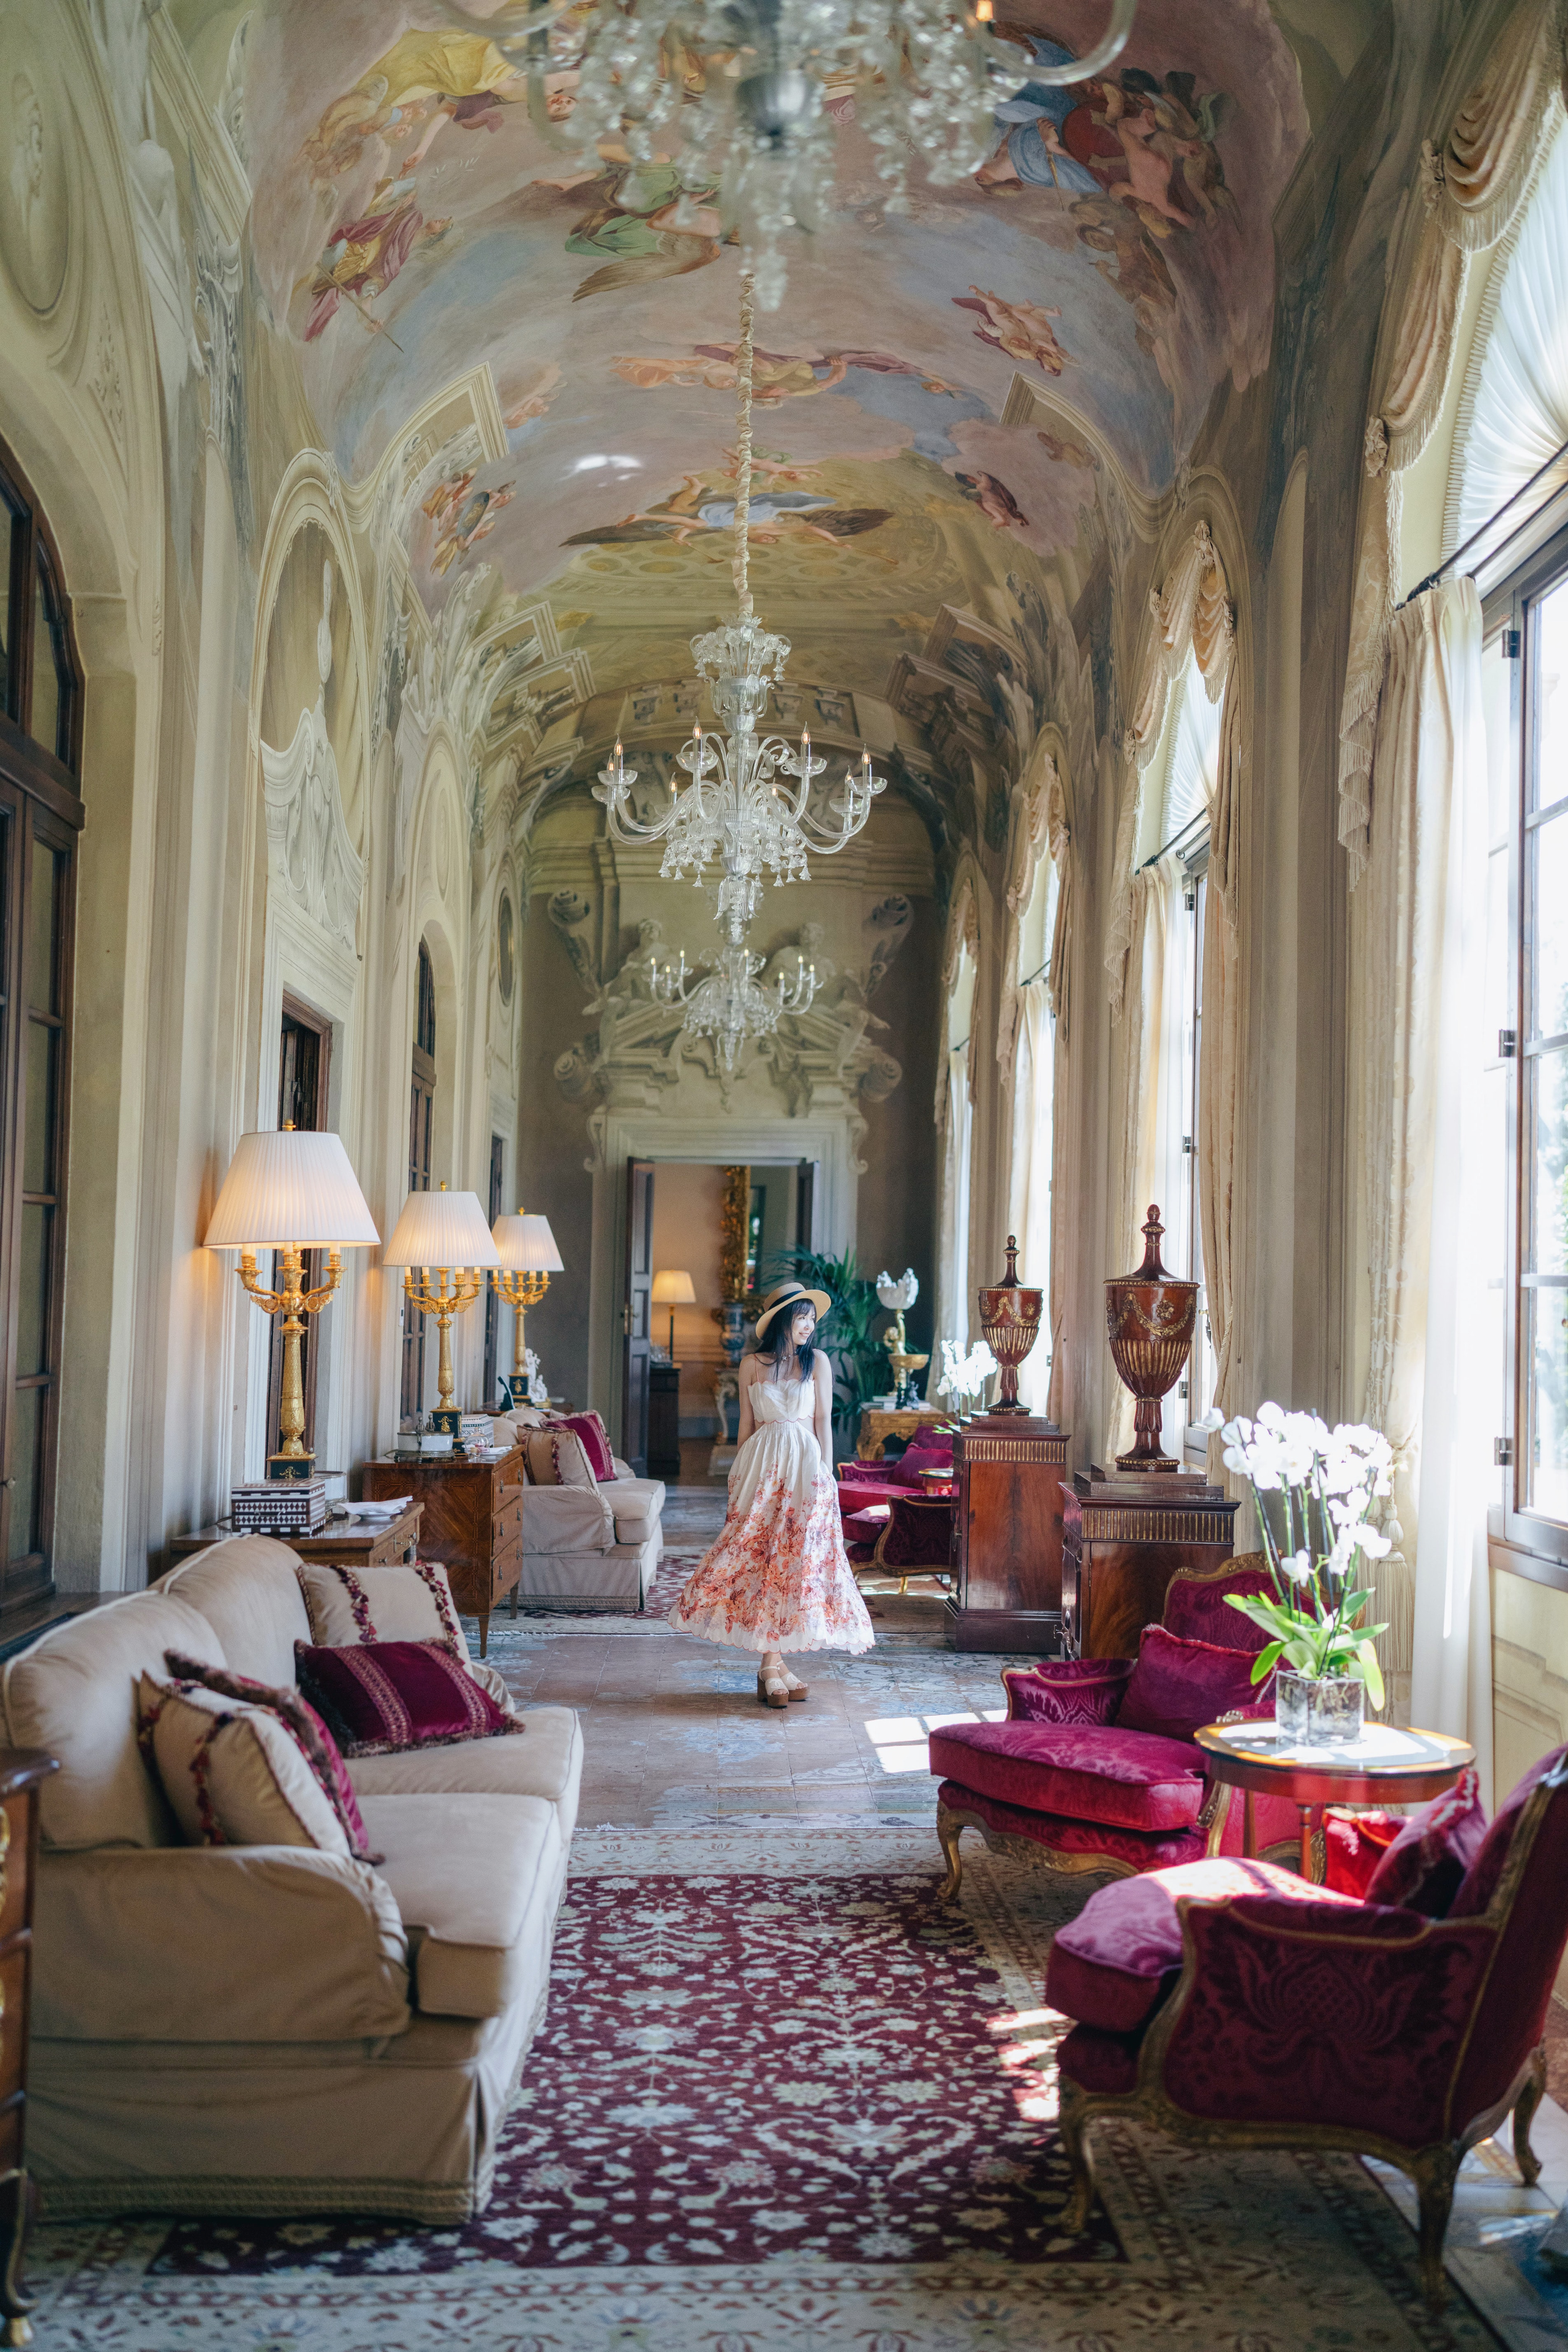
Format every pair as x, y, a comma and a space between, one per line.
527, 1257
442, 1234
291, 1190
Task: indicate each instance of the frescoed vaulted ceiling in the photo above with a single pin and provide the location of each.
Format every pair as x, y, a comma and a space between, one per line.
412, 220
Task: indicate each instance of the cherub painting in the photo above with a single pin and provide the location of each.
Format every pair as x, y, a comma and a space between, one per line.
645, 225
362, 257
777, 376
1022, 329
429, 78
463, 516
994, 499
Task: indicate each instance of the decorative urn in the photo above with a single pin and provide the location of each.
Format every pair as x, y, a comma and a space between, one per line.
1150, 1318
1010, 1320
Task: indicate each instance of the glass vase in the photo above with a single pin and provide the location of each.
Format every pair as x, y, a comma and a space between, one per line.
1316, 1713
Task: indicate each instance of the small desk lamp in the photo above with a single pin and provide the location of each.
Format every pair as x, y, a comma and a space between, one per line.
526, 1249
672, 1288
293, 1190
444, 1234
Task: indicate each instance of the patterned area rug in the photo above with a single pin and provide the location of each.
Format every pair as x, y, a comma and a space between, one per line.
776, 2109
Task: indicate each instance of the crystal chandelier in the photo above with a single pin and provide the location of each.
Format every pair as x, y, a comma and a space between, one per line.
736, 813
729, 1004
732, 91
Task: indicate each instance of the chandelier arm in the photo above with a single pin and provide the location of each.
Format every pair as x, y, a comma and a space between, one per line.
1095, 61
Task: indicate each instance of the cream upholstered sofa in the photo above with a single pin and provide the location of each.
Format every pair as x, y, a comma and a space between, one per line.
271, 2030
588, 1547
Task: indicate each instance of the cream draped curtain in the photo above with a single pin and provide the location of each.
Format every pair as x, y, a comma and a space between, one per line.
1472, 191
1193, 616
1029, 1191
954, 1112
1418, 960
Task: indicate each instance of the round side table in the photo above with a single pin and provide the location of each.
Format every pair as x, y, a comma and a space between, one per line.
1385, 1767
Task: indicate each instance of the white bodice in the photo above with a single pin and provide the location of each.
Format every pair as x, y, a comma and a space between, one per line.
783, 1401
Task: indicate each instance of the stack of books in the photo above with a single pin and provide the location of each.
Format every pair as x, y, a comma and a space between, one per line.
280, 1507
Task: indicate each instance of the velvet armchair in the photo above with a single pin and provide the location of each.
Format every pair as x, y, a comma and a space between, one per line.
1280, 2014
1096, 1769
892, 1524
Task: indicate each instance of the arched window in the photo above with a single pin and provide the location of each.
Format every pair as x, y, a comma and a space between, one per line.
1178, 795
40, 815
421, 1122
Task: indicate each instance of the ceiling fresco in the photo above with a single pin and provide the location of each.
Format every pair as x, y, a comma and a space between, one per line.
412, 218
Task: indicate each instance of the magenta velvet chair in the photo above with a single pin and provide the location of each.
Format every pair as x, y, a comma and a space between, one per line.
1096, 1769
1284, 2015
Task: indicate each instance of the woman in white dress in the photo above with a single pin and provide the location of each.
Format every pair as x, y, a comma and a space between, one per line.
779, 1578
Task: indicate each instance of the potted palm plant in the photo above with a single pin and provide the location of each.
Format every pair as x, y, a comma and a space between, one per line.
1314, 1488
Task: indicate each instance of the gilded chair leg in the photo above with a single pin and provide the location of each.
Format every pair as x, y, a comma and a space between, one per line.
949, 1833
1435, 2171
1529, 2099
1074, 2125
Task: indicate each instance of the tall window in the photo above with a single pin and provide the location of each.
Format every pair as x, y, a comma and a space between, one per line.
1034, 1073
1176, 835
1524, 672
421, 1122
40, 815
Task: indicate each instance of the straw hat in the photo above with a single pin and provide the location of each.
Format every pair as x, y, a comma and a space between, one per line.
791, 1294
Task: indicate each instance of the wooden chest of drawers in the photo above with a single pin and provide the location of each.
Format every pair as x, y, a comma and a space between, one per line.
472, 1524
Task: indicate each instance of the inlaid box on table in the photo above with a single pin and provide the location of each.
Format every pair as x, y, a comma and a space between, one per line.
472, 1525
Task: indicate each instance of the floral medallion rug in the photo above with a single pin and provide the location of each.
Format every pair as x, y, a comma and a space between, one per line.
784, 2098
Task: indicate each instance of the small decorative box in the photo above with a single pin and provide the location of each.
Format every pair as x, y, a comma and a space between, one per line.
474, 1429
280, 1507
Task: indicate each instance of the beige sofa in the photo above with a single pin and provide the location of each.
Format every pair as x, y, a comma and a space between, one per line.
590, 1547
272, 2030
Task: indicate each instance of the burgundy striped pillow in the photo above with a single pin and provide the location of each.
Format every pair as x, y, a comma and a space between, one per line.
380, 1698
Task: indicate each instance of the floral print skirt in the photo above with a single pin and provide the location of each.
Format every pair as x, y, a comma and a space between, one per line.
778, 1577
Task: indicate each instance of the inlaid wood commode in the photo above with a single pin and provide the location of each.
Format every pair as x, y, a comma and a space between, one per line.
473, 1522
21, 1771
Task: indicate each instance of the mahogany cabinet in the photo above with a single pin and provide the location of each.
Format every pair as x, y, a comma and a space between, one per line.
472, 1525
21, 1771
1124, 1540
1008, 1534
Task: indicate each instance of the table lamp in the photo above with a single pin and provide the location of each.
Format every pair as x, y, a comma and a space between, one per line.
293, 1190
672, 1289
444, 1234
528, 1256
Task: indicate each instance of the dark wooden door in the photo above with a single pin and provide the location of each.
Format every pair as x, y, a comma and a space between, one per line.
421, 1124
304, 1068
806, 1206
492, 1304
637, 1312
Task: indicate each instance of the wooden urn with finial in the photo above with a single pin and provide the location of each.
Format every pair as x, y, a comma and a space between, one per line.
1010, 1321
1150, 1318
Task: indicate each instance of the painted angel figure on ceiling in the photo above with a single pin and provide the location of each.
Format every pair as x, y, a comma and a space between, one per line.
362, 257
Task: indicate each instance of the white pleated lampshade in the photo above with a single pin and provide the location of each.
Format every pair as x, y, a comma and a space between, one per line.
441, 1229
526, 1245
288, 1188
672, 1287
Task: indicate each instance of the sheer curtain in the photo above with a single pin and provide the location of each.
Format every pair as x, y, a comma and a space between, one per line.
1149, 1125
961, 1152
1421, 934
1029, 1189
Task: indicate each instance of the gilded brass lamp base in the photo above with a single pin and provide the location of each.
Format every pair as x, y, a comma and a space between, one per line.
292, 1465
521, 1291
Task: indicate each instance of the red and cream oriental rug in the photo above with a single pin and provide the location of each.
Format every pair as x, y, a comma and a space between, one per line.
786, 2101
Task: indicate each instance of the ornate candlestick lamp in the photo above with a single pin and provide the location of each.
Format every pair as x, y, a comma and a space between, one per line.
1010, 1320
1150, 1316
898, 1297
442, 1234
290, 1192
526, 1258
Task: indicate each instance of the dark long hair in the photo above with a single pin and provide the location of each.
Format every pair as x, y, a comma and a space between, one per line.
776, 1345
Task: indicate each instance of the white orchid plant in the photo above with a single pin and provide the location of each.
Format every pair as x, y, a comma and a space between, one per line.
1329, 1480
965, 1376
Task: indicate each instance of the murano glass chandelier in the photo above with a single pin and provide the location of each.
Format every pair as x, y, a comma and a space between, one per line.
743, 97
729, 1004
